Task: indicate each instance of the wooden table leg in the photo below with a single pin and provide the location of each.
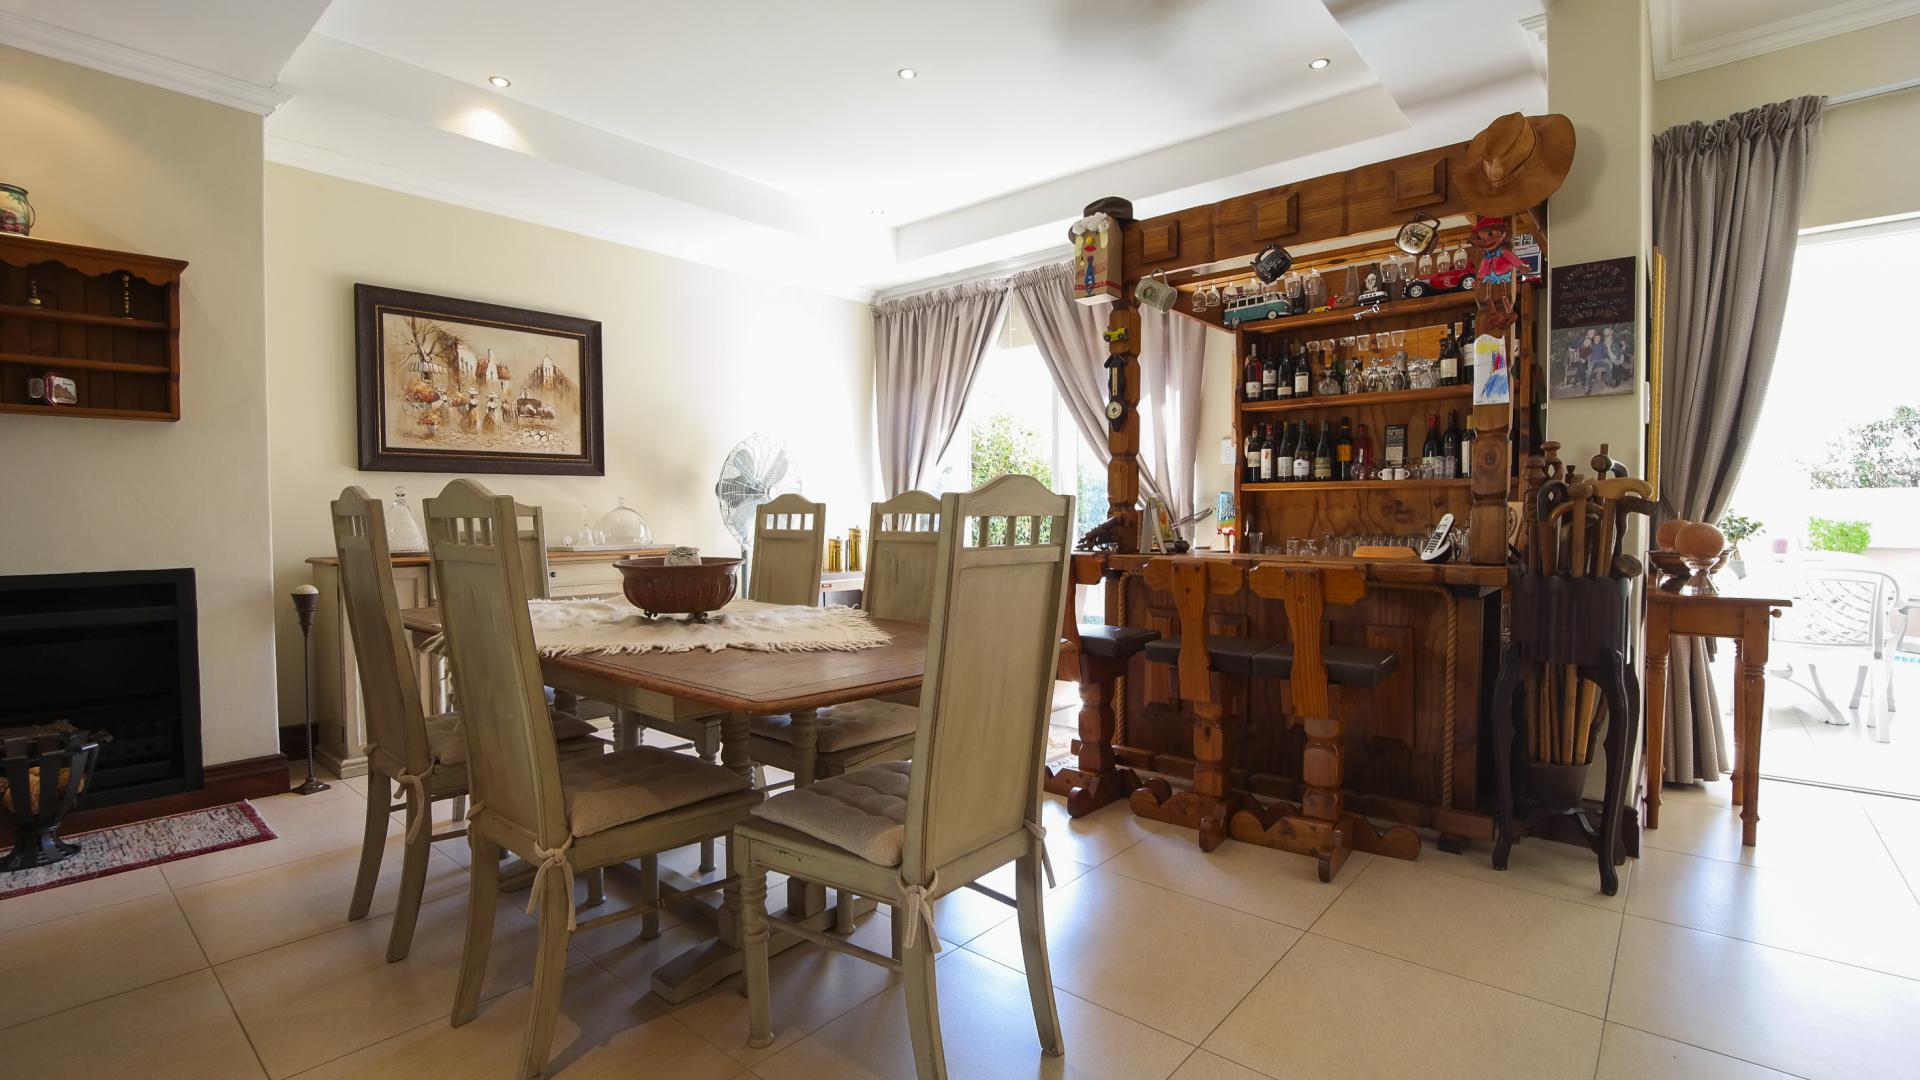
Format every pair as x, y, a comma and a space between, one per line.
805, 897
1659, 642
1750, 708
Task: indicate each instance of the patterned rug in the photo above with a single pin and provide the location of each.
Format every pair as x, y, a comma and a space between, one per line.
144, 843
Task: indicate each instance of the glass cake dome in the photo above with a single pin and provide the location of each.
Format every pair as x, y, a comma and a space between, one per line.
622, 526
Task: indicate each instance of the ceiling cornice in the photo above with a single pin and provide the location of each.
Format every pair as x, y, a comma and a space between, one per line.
1672, 57
144, 67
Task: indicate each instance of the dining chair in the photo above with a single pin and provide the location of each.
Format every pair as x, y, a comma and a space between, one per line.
564, 817
425, 755
908, 832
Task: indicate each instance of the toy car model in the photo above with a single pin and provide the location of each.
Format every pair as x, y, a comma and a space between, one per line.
1445, 281
1251, 308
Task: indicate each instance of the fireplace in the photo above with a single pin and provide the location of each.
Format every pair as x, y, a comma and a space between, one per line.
116, 656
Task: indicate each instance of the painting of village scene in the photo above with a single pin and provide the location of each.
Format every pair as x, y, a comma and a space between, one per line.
457, 386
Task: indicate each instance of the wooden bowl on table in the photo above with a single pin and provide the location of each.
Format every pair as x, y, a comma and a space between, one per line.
692, 590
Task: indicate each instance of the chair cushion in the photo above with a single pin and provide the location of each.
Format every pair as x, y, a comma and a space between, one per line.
447, 742
1230, 654
863, 811
1347, 665
1116, 642
845, 727
631, 785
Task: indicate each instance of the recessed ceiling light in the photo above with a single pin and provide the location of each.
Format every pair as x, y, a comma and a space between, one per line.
1319, 62
906, 73
500, 81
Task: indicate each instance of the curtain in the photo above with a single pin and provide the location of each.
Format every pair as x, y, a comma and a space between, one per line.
927, 350
1172, 358
1068, 336
1726, 213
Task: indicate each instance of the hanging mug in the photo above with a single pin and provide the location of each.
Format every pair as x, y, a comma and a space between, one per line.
1416, 236
1155, 293
1272, 263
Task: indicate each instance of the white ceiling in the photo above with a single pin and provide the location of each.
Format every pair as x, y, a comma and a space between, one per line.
1692, 35
774, 137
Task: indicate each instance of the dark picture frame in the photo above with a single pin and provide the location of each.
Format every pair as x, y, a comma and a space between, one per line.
422, 408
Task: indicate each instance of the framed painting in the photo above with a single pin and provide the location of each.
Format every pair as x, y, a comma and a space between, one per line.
450, 385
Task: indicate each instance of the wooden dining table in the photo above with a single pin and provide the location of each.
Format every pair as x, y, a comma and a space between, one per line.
741, 683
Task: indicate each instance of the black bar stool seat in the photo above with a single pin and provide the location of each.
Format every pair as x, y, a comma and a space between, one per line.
1347, 665
1229, 655
1115, 642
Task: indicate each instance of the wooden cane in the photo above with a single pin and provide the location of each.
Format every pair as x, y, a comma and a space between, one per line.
1578, 492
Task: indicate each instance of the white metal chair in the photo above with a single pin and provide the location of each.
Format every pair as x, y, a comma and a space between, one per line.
1846, 613
563, 817
908, 833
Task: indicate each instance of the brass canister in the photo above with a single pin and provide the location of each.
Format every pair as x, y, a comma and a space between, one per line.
833, 555
854, 560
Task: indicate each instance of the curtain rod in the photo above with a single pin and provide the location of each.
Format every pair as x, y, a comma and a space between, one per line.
1879, 91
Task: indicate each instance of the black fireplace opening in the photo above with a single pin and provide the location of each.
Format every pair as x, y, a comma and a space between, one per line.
116, 656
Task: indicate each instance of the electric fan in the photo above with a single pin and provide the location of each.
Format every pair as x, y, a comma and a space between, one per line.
755, 472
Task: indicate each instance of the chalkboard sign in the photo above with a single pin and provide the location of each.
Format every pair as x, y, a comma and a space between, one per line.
1593, 293
1590, 352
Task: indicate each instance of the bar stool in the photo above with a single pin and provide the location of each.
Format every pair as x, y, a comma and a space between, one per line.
1095, 657
1322, 826
1212, 673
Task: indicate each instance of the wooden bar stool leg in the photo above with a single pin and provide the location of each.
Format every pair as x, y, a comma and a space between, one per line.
1101, 779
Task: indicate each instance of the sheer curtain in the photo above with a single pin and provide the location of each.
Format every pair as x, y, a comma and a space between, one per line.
1726, 213
1068, 338
1172, 360
927, 350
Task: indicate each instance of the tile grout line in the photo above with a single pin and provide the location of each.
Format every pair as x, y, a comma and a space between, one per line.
1707, 1050
224, 996
1775, 948
1284, 953
1606, 1009
125, 990
1090, 1003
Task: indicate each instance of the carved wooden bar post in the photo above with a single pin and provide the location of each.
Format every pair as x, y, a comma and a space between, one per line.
1123, 434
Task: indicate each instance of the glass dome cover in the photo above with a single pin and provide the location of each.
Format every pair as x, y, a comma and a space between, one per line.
623, 526
403, 529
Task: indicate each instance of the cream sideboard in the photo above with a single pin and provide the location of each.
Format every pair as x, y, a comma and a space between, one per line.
339, 717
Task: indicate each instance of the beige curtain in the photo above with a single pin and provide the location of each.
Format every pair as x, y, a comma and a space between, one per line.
1726, 213
1068, 336
1172, 358
927, 350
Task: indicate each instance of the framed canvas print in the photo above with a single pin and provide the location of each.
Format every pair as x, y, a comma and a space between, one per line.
450, 385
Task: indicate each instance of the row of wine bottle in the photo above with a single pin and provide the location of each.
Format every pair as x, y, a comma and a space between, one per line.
1281, 371
1295, 454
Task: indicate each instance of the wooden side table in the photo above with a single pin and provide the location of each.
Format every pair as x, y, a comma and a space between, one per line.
1744, 619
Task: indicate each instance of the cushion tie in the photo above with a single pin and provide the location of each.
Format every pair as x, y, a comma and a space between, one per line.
419, 786
1039, 832
919, 910
549, 859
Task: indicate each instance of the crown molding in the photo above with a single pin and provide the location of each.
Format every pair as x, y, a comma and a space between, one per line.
1671, 57
143, 67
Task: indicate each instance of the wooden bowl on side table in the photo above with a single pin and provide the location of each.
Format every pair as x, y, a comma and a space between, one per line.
691, 590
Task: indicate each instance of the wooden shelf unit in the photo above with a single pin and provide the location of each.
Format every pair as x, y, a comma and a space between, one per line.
1305, 487
108, 320
1462, 392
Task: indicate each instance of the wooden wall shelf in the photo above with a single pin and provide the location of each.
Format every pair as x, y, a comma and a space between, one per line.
1358, 487
1353, 316
1357, 401
108, 320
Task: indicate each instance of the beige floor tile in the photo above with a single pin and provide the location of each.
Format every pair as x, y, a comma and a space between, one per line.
1541, 866
246, 913
1897, 821
1857, 915
811, 986
1627, 1054
1330, 1009
180, 1029
1800, 826
986, 1023
343, 978
51, 966
1276, 885
1799, 1014
1167, 960
1205, 1066
1099, 836
605, 1030
1553, 950
81, 896
304, 826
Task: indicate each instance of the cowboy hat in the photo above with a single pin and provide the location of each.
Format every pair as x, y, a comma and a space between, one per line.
1516, 163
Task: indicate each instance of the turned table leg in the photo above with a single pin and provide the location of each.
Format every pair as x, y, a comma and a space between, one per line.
1750, 715
1659, 642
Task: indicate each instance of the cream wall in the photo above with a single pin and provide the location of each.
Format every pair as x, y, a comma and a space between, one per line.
1219, 391
693, 360
117, 164
1868, 153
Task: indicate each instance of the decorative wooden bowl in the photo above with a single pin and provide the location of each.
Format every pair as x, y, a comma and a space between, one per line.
1672, 567
692, 590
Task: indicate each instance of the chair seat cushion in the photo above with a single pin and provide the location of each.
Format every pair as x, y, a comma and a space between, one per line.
846, 727
1229, 654
1347, 665
447, 742
863, 812
1115, 642
631, 785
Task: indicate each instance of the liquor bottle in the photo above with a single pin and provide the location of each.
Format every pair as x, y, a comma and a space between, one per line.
1250, 473
1343, 451
1269, 378
1449, 358
1323, 452
1362, 453
1285, 375
1432, 454
1266, 457
1303, 452
1250, 389
1302, 373
1450, 445
1466, 451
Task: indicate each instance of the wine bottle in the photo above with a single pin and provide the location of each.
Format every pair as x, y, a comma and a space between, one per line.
1362, 453
1250, 473
1432, 454
1343, 451
1450, 445
1449, 358
1302, 373
1303, 452
1466, 451
1283, 453
1250, 389
1266, 457
1269, 378
1284, 389
1323, 452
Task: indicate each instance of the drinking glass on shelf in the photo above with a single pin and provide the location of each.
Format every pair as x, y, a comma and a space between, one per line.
1253, 541
1293, 546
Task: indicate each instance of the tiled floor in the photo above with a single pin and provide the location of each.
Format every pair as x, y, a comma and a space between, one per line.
1799, 958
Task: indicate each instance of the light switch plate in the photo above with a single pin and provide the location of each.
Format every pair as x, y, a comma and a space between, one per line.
1227, 456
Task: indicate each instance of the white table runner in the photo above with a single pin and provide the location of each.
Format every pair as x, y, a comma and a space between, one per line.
576, 627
